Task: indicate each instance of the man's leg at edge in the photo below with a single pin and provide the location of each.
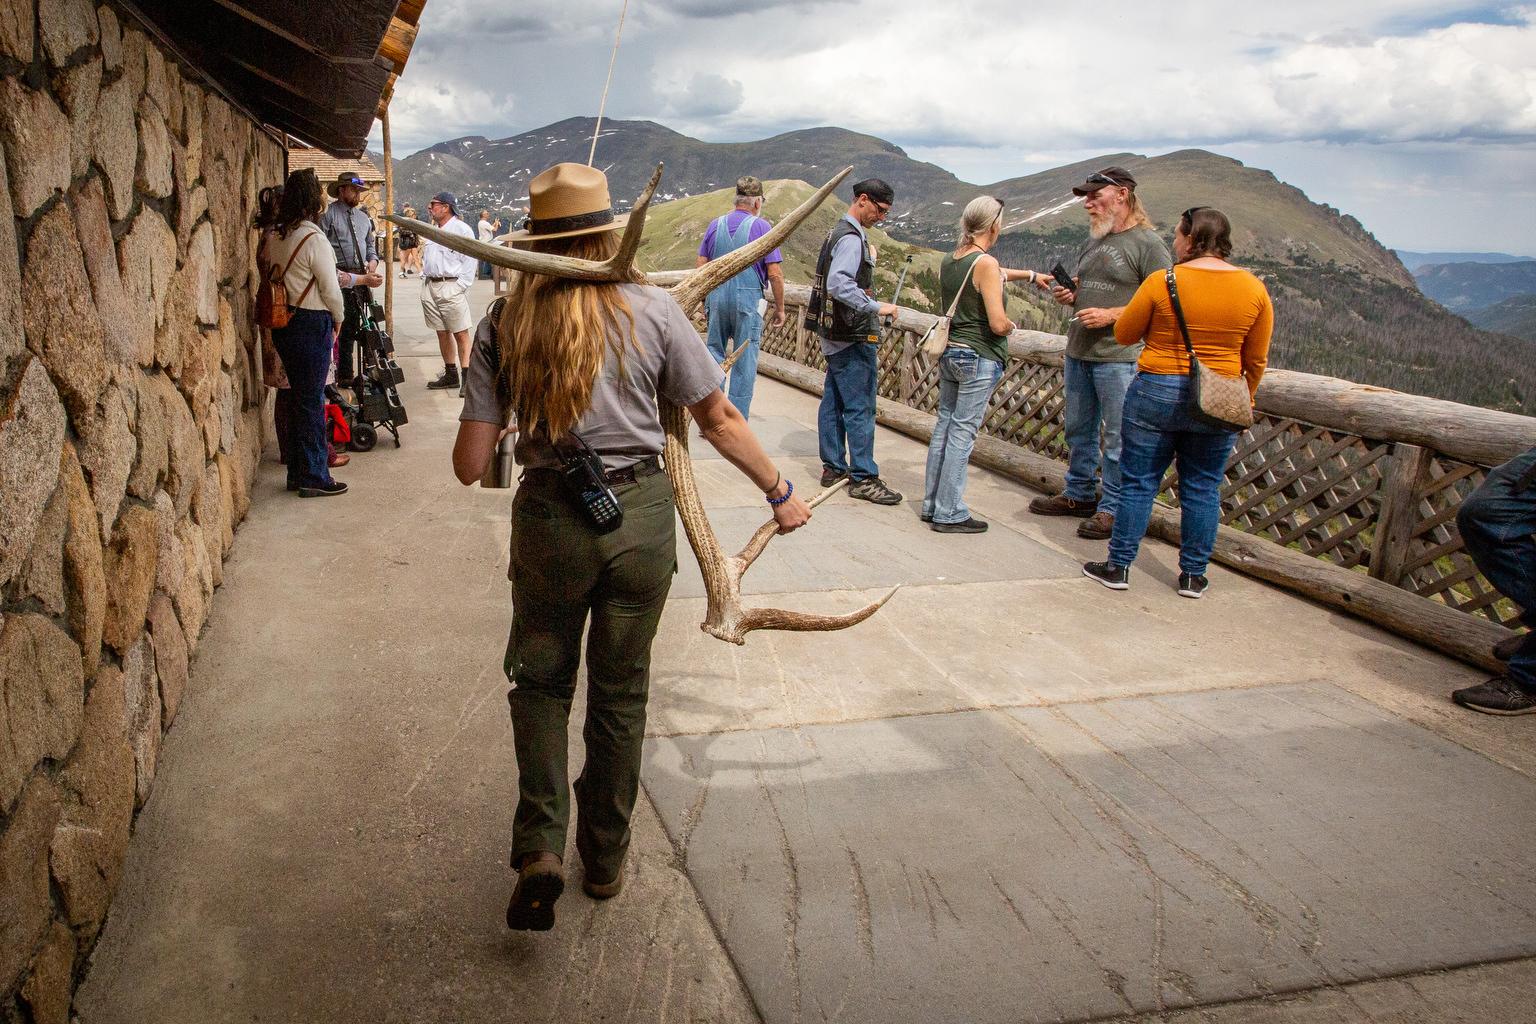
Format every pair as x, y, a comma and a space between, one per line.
831, 440
1498, 526
1110, 382
859, 411
1082, 430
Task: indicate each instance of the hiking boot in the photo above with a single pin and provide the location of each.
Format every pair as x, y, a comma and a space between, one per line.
971, 525
449, 379
1097, 526
1193, 586
1061, 505
331, 489
1510, 646
539, 884
874, 490
830, 477
924, 517
1500, 695
1115, 577
603, 890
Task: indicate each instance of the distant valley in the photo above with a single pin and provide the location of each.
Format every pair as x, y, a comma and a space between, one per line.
1346, 306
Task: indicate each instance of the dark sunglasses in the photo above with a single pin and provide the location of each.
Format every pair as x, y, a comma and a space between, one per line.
1098, 178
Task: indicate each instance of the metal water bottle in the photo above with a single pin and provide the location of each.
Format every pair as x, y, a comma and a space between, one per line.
502, 469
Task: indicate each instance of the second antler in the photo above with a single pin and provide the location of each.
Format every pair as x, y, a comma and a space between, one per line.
725, 618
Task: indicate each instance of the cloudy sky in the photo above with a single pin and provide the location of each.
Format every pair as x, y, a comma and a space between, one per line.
1418, 117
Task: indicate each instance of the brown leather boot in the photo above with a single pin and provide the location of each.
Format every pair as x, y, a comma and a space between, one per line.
1097, 526
540, 882
603, 890
1061, 505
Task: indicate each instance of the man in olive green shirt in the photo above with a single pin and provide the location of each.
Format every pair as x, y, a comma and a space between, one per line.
1123, 250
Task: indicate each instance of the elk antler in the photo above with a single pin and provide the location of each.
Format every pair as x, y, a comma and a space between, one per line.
725, 618
615, 268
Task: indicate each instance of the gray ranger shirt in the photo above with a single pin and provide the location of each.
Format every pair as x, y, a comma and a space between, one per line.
1109, 272
624, 424
350, 256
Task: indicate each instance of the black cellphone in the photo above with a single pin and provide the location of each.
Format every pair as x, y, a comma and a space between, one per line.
1059, 273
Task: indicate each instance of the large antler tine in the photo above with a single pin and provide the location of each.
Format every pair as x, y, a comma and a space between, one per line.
770, 529
714, 273
506, 256
622, 260
802, 622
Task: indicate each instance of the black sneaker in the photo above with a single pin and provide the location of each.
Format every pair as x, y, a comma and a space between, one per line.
874, 490
1192, 586
971, 525
924, 517
1115, 577
831, 476
1510, 646
1500, 695
324, 490
449, 379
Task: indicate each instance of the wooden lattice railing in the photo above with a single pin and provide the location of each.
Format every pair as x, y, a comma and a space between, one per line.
1365, 480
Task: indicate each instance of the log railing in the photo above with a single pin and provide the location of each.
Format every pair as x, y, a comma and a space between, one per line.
1355, 488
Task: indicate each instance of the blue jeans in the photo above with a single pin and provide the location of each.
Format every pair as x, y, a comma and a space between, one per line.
1498, 526
305, 349
1095, 398
846, 422
1156, 432
966, 380
735, 317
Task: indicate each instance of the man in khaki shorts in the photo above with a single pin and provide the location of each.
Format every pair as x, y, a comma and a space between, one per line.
445, 279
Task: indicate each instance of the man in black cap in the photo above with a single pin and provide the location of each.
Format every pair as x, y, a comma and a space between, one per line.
1123, 250
446, 277
350, 231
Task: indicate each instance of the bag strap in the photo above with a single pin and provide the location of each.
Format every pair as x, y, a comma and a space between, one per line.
1178, 314
293, 256
963, 282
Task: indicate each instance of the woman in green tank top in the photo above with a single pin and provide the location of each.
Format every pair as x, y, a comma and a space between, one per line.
972, 364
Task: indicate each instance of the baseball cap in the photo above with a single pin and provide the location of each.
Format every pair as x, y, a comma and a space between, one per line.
448, 200
746, 185
1108, 176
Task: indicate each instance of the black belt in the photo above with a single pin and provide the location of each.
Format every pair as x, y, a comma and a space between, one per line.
648, 466
442, 279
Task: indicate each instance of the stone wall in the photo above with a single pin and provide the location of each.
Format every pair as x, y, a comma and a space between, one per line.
130, 430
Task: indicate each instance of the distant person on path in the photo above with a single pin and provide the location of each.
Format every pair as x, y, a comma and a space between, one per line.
1498, 525
1230, 319
350, 231
1122, 250
849, 326
298, 250
446, 278
736, 307
585, 363
972, 364
486, 232
410, 247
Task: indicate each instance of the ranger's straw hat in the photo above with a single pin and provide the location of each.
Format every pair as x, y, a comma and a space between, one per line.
565, 201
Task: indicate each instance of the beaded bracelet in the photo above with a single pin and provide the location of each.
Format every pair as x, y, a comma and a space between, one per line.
789, 488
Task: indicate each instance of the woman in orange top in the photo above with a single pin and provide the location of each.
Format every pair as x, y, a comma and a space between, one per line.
1230, 319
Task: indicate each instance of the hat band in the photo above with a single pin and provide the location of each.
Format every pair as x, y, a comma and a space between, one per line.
555, 225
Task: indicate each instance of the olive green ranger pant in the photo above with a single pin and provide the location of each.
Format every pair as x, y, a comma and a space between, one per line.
563, 573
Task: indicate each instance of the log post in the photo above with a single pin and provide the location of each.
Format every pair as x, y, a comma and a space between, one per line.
389, 228
1402, 476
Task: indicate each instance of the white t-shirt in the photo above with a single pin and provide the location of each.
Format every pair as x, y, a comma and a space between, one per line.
487, 231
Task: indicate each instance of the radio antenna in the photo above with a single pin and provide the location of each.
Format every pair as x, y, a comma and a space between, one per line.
592, 154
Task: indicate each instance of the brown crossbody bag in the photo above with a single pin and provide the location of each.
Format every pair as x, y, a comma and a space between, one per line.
1214, 400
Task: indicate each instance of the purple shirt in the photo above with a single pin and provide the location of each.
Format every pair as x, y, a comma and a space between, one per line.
758, 230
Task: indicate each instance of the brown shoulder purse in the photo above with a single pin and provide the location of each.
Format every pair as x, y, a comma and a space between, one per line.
1214, 400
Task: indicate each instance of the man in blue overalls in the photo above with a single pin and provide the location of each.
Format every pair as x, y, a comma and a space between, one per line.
736, 307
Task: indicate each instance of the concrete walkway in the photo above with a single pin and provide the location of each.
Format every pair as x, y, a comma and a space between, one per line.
1010, 796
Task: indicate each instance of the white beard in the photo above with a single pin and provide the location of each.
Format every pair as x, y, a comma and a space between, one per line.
1100, 224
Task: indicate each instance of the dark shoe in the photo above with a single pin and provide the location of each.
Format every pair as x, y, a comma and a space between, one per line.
1097, 526
924, 517
449, 379
1115, 577
1510, 646
874, 490
971, 525
324, 490
1500, 695
603, 890
1061, 505
830, 477
539, 885
1193, 586
293, 485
